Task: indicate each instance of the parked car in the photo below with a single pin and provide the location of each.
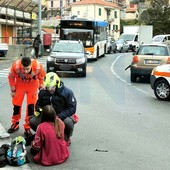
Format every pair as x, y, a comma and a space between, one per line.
160, 82
122, 45
161, 38
111, 45
147, 57
68, 56
3, 49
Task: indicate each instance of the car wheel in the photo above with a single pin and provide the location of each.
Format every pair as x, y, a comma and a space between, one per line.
109, 52
133, 77
47, 69
162, 90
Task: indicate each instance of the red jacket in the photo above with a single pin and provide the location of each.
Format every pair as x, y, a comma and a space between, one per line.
51, 150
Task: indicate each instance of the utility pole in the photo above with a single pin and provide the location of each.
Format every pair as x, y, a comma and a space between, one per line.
61, 6
39, 25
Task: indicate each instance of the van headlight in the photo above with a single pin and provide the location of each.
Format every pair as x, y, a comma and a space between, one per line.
80, 60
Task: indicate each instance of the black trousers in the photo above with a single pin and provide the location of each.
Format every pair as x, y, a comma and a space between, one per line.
69, 125
36, 51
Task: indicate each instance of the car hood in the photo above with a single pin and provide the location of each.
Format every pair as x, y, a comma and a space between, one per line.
66, 55
163, 68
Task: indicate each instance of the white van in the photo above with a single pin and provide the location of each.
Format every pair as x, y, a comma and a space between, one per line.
161, 38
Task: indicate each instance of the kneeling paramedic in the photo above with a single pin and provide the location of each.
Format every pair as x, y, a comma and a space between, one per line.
61, 98
25, 78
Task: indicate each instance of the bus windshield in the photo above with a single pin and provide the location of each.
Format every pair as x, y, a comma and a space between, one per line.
85, 35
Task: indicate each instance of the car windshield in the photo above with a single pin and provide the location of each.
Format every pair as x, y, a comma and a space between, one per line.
68, 47
119, 41
153, 50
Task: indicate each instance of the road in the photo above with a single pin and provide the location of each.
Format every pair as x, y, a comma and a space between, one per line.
122, 125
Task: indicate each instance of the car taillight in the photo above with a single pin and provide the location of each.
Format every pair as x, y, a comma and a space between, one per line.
135, 59
168, 61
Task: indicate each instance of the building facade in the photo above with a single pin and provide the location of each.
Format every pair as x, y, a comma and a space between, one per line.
99, 10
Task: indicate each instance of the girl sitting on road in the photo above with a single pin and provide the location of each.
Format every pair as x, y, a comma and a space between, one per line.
49, 145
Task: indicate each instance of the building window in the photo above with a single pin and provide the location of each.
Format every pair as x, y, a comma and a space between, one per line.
100, 11
108, 12
115, 27
115, 14
78, 12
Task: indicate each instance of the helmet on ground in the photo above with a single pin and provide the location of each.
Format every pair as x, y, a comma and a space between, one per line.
19, 139
51, 79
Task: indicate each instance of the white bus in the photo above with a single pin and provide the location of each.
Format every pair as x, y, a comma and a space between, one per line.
92, 33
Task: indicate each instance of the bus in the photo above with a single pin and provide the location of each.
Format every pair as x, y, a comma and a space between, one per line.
92, 33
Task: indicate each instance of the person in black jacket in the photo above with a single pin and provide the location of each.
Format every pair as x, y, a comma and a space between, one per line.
61, 98
36, 43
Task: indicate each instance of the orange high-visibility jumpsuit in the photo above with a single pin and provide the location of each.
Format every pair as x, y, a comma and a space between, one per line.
25, 84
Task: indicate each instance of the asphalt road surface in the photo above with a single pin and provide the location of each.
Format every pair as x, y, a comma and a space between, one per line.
122, 126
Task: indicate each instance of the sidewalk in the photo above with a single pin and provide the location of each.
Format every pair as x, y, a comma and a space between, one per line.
8, 141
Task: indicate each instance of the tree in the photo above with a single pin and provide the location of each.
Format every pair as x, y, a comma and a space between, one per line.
158, 15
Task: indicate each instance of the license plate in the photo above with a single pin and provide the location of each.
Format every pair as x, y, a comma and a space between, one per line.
151, 61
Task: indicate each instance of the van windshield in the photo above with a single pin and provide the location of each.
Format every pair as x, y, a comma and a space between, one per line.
127, 37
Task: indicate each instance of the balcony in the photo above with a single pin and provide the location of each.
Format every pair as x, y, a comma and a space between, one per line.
110, 19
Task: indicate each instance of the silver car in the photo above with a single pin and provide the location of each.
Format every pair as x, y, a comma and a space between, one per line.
122, 45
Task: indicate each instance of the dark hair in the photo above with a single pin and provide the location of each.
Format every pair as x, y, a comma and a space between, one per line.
26, 61
48, 114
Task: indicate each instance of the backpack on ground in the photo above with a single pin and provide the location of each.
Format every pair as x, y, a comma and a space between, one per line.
17, 153
3, 153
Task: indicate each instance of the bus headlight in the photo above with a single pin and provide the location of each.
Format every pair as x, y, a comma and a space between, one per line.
88, 53
80, 60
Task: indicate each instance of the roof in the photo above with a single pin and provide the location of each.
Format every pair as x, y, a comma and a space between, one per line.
48, 30
99, 2
21, 5
132, 8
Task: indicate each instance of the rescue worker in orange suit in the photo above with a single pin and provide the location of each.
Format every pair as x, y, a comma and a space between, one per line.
25, 78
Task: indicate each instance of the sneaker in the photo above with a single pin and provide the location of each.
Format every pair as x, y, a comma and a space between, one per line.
14, 127
68, 142
28, 133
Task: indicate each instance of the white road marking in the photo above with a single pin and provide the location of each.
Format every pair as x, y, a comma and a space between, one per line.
121, 79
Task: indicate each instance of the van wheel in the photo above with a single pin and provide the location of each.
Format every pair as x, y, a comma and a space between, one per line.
134, 49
